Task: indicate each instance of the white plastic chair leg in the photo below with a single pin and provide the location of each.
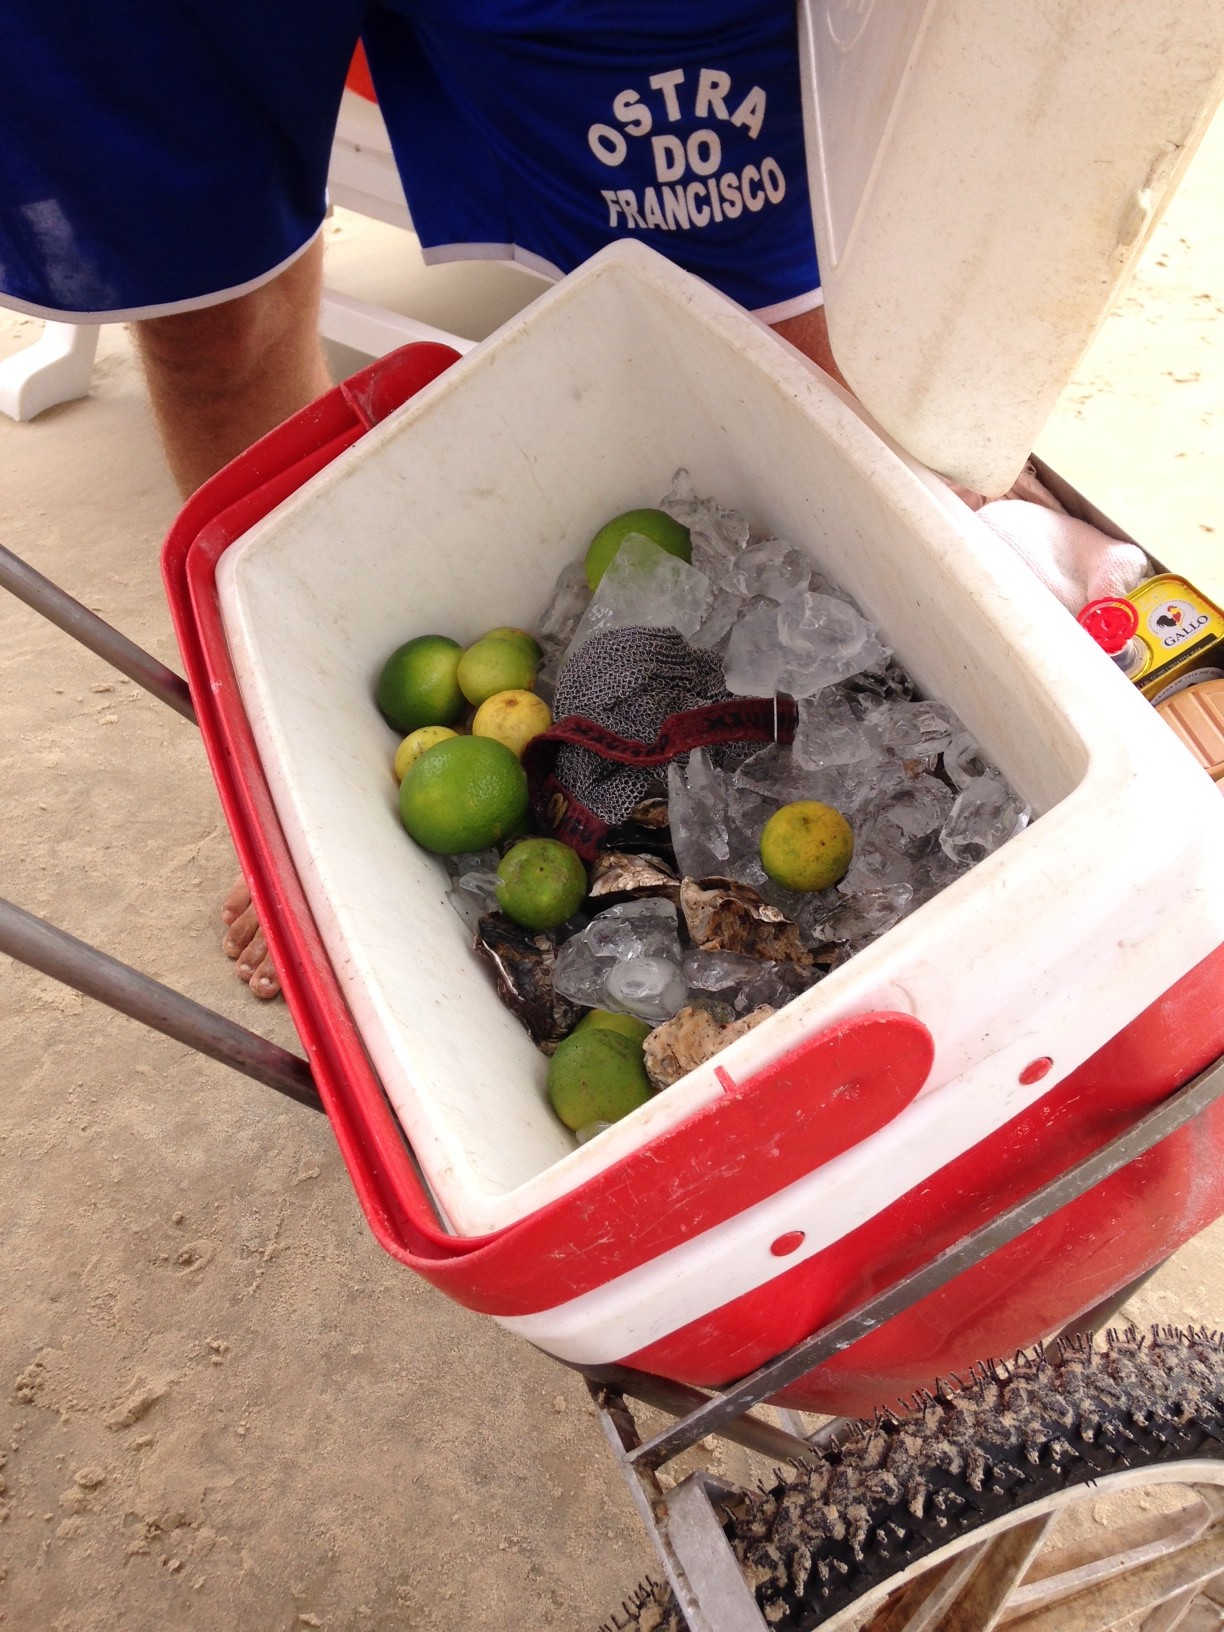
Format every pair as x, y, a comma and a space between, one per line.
375, 329
56, 368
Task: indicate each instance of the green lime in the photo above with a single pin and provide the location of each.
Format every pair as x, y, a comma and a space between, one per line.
656, 525
596, 1076
541, 883
807, 846
628, 1025
418, 684
494, 665
521, 638
464, 794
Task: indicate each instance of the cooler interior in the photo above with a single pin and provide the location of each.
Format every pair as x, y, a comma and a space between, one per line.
458, 514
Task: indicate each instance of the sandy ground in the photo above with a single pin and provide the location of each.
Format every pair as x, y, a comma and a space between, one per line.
220, 1405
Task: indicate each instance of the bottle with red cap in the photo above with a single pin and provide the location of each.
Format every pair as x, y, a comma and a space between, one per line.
1112, 622
1164, 636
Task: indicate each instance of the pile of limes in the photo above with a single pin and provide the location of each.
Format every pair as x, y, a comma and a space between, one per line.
465, 790
463, 793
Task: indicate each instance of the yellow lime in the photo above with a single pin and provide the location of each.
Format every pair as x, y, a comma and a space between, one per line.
463, 794
656, 525
628, 1025
807, 846
512, 717
415, 744
542, 883
521, 638
596, 1076
418, 684
494, 665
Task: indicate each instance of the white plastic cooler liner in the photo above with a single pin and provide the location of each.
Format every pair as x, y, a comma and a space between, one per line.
457, 515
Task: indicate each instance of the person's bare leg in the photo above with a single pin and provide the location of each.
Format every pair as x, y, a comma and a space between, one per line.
809, 332
219, 379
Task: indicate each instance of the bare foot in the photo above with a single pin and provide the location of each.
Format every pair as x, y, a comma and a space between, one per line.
245, 942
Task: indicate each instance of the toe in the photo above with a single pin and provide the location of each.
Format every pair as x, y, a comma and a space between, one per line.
236, 903
263, 982
241, 933
253, 954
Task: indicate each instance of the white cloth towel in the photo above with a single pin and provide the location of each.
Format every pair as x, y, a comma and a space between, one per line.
1076, 561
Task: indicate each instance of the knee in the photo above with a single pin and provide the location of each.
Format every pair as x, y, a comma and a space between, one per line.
219, 346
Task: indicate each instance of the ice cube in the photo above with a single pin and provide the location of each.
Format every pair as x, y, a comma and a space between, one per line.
912, 730
613, 938
650, 988
933, 872
717, 533
755, 659
899, 822
771, 568
745, 982
474, 893
825, 586
963, 759
748, 869
697, 815
986, 814
829, 733
867, 779
579, 972
474, 861
868, 913
875, 864
826, 640
556, 624
907, 817
747, 813
773, 774
645, 928
645, 587
633, 929
725, 609
719, 971
868, 689
774, 984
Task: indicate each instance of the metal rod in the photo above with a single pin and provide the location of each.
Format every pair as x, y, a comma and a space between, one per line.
710, 1567
94, 632
32, 941
677, 1399
1175, 1112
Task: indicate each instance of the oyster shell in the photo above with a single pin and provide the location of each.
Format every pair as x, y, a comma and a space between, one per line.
691, 1038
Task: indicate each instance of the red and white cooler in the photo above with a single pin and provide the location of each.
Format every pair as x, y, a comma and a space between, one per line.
1005, 1029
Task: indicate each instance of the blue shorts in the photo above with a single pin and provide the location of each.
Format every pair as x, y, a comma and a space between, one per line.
159, 157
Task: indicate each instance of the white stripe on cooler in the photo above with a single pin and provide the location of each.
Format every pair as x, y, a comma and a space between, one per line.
699, 1276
